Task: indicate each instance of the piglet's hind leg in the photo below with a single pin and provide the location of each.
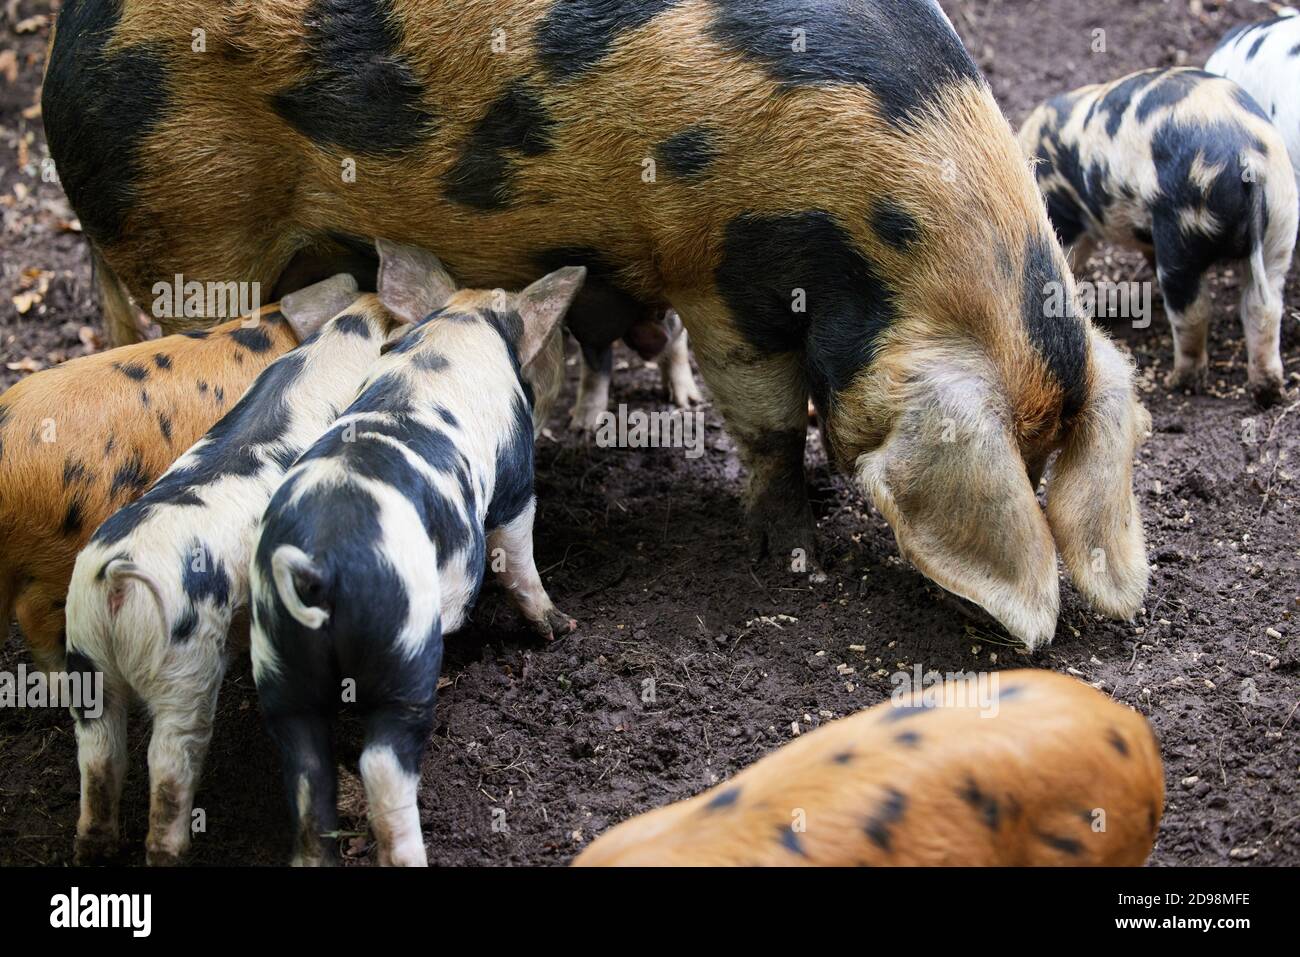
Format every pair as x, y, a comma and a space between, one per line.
177, 748
390, 769
307, 755
1261, 317
101, 755
511, 550
1188, 305
593, 388
679, 380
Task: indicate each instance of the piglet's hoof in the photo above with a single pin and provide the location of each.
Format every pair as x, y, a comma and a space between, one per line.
1267, 392
585, 418
555, 624
1193, 379
94, 849
682, 390
162, 859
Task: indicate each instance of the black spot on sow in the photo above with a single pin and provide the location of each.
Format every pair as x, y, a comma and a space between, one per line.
1061, 340
99, 105
770, 263
515, 124
688, 153
894, 225
361, 94
575, 35
1066, 845
903, 51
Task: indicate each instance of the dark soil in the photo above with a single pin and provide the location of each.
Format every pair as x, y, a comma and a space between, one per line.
645, 550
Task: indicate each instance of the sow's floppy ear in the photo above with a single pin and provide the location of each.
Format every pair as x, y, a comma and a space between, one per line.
412, 282
312, 306
950, 481
543, 304
1090, 502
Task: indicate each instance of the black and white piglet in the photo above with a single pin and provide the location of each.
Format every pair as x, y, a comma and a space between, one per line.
374, 547
154, 592
1264, 59
1187, 168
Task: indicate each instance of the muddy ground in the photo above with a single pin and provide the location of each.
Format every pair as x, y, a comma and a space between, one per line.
645, 549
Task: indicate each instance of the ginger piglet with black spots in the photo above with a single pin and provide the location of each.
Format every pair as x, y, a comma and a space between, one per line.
81, 440
1031, 768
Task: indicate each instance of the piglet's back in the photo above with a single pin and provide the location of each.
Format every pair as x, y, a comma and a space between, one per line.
83, 439
1040, 770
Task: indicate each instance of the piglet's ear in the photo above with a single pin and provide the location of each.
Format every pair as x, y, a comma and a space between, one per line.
412, 282
950, 481
312, 306
543, 304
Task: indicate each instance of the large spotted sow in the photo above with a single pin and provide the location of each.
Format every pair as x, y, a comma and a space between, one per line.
1032, 768
1264, 60
154, 594
374, 547
1184, 166
81, 440
837, 208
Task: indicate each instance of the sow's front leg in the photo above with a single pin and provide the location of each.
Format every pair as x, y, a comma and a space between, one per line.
763, 399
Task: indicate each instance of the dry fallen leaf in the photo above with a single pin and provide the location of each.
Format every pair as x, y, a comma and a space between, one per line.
90, 338
9, 66
24, 301
35, 276
31, 24
32, 111
24, 365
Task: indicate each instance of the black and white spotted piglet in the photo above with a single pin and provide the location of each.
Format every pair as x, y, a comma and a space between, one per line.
1187, 168
1264, 59
154, 592
374, 548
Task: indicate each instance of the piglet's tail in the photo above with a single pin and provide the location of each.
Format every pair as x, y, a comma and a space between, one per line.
119, 569
292, 569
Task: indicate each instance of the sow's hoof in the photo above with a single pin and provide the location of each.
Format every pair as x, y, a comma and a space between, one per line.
789, 548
